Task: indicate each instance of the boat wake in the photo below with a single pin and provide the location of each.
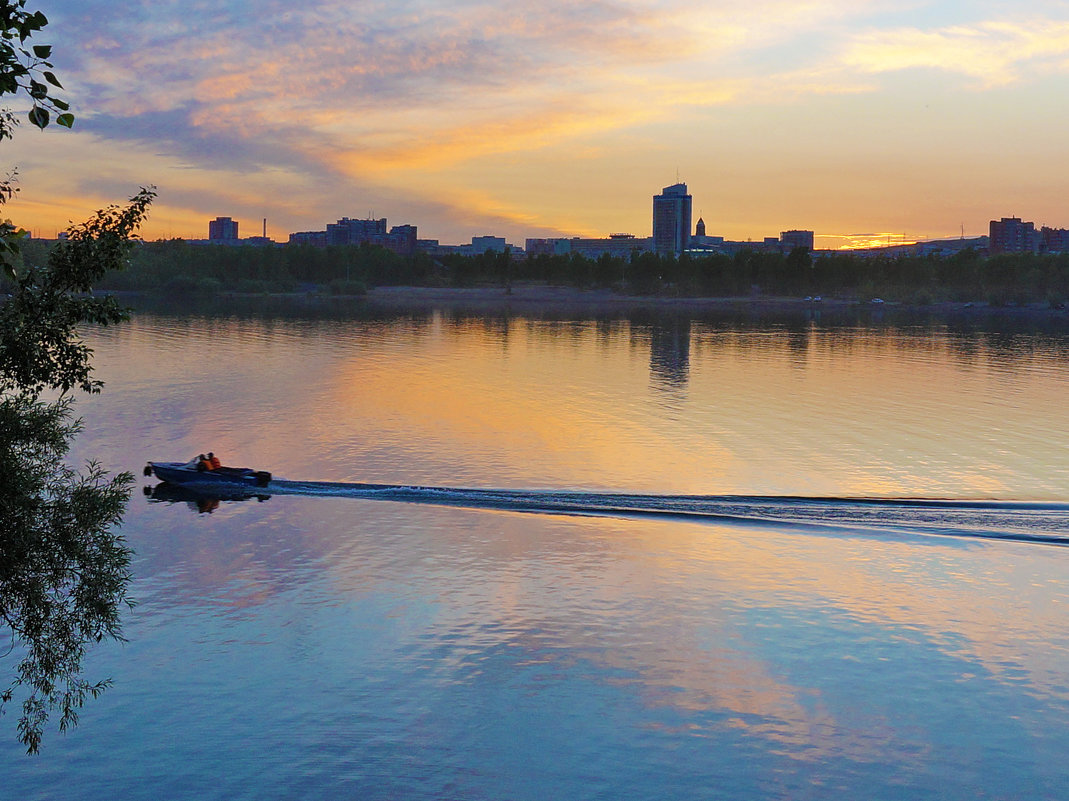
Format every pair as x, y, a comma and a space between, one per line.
1039, 522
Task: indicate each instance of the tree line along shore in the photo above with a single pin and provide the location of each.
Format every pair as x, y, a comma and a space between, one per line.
176, 267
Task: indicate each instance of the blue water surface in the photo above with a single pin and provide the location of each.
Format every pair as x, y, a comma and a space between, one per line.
336, 645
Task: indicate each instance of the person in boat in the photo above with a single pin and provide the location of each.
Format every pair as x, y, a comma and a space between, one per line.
203, 464
213, 460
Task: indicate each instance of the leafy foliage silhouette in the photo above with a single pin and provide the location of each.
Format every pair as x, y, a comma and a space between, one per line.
64, 570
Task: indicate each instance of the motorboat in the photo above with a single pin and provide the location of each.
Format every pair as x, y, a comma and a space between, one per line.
185, 474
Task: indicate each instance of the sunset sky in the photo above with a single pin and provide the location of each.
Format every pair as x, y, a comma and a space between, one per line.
854, 118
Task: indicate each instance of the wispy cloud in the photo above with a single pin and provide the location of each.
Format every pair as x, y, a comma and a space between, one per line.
331, 77
993, 53
329, 68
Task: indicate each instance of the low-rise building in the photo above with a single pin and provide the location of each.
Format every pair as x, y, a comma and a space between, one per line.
789, 240
314, 238
1054, 240
620, 246
481, 244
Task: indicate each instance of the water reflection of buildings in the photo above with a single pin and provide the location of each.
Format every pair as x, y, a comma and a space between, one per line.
670, 352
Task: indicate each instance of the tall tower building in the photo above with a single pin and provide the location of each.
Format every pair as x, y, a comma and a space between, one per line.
671, 220
699, 229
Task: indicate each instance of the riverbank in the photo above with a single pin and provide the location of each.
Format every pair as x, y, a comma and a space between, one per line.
528, 296
541, 299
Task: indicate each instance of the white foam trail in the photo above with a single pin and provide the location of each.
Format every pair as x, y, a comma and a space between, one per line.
1046, 522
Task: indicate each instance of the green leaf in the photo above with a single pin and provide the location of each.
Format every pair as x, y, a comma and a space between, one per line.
39, 117
42, 51
62, 105
52, 79
66, 120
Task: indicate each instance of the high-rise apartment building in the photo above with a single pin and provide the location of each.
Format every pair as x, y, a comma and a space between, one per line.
1012, 235
353, 232
222, 229
401, 239
671, 220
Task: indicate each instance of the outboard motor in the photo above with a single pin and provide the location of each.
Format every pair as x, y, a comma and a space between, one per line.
263, 478
148, 470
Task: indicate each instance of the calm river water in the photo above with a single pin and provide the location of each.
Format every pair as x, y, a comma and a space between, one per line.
593, 630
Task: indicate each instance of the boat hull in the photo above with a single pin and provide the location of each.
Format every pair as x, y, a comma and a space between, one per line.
178, 473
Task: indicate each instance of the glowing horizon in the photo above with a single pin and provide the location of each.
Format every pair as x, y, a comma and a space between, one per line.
556, 119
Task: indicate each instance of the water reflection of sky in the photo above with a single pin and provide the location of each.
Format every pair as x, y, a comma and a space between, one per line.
661, 405
398, 650
830, 650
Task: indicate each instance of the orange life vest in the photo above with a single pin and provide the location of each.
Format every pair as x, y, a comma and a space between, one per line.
214, 463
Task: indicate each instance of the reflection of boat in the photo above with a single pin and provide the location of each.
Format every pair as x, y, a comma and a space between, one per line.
200, 497
178, 473
187, 493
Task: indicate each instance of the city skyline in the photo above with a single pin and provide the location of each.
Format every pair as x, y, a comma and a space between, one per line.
671, 225
554, 120
224, 228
